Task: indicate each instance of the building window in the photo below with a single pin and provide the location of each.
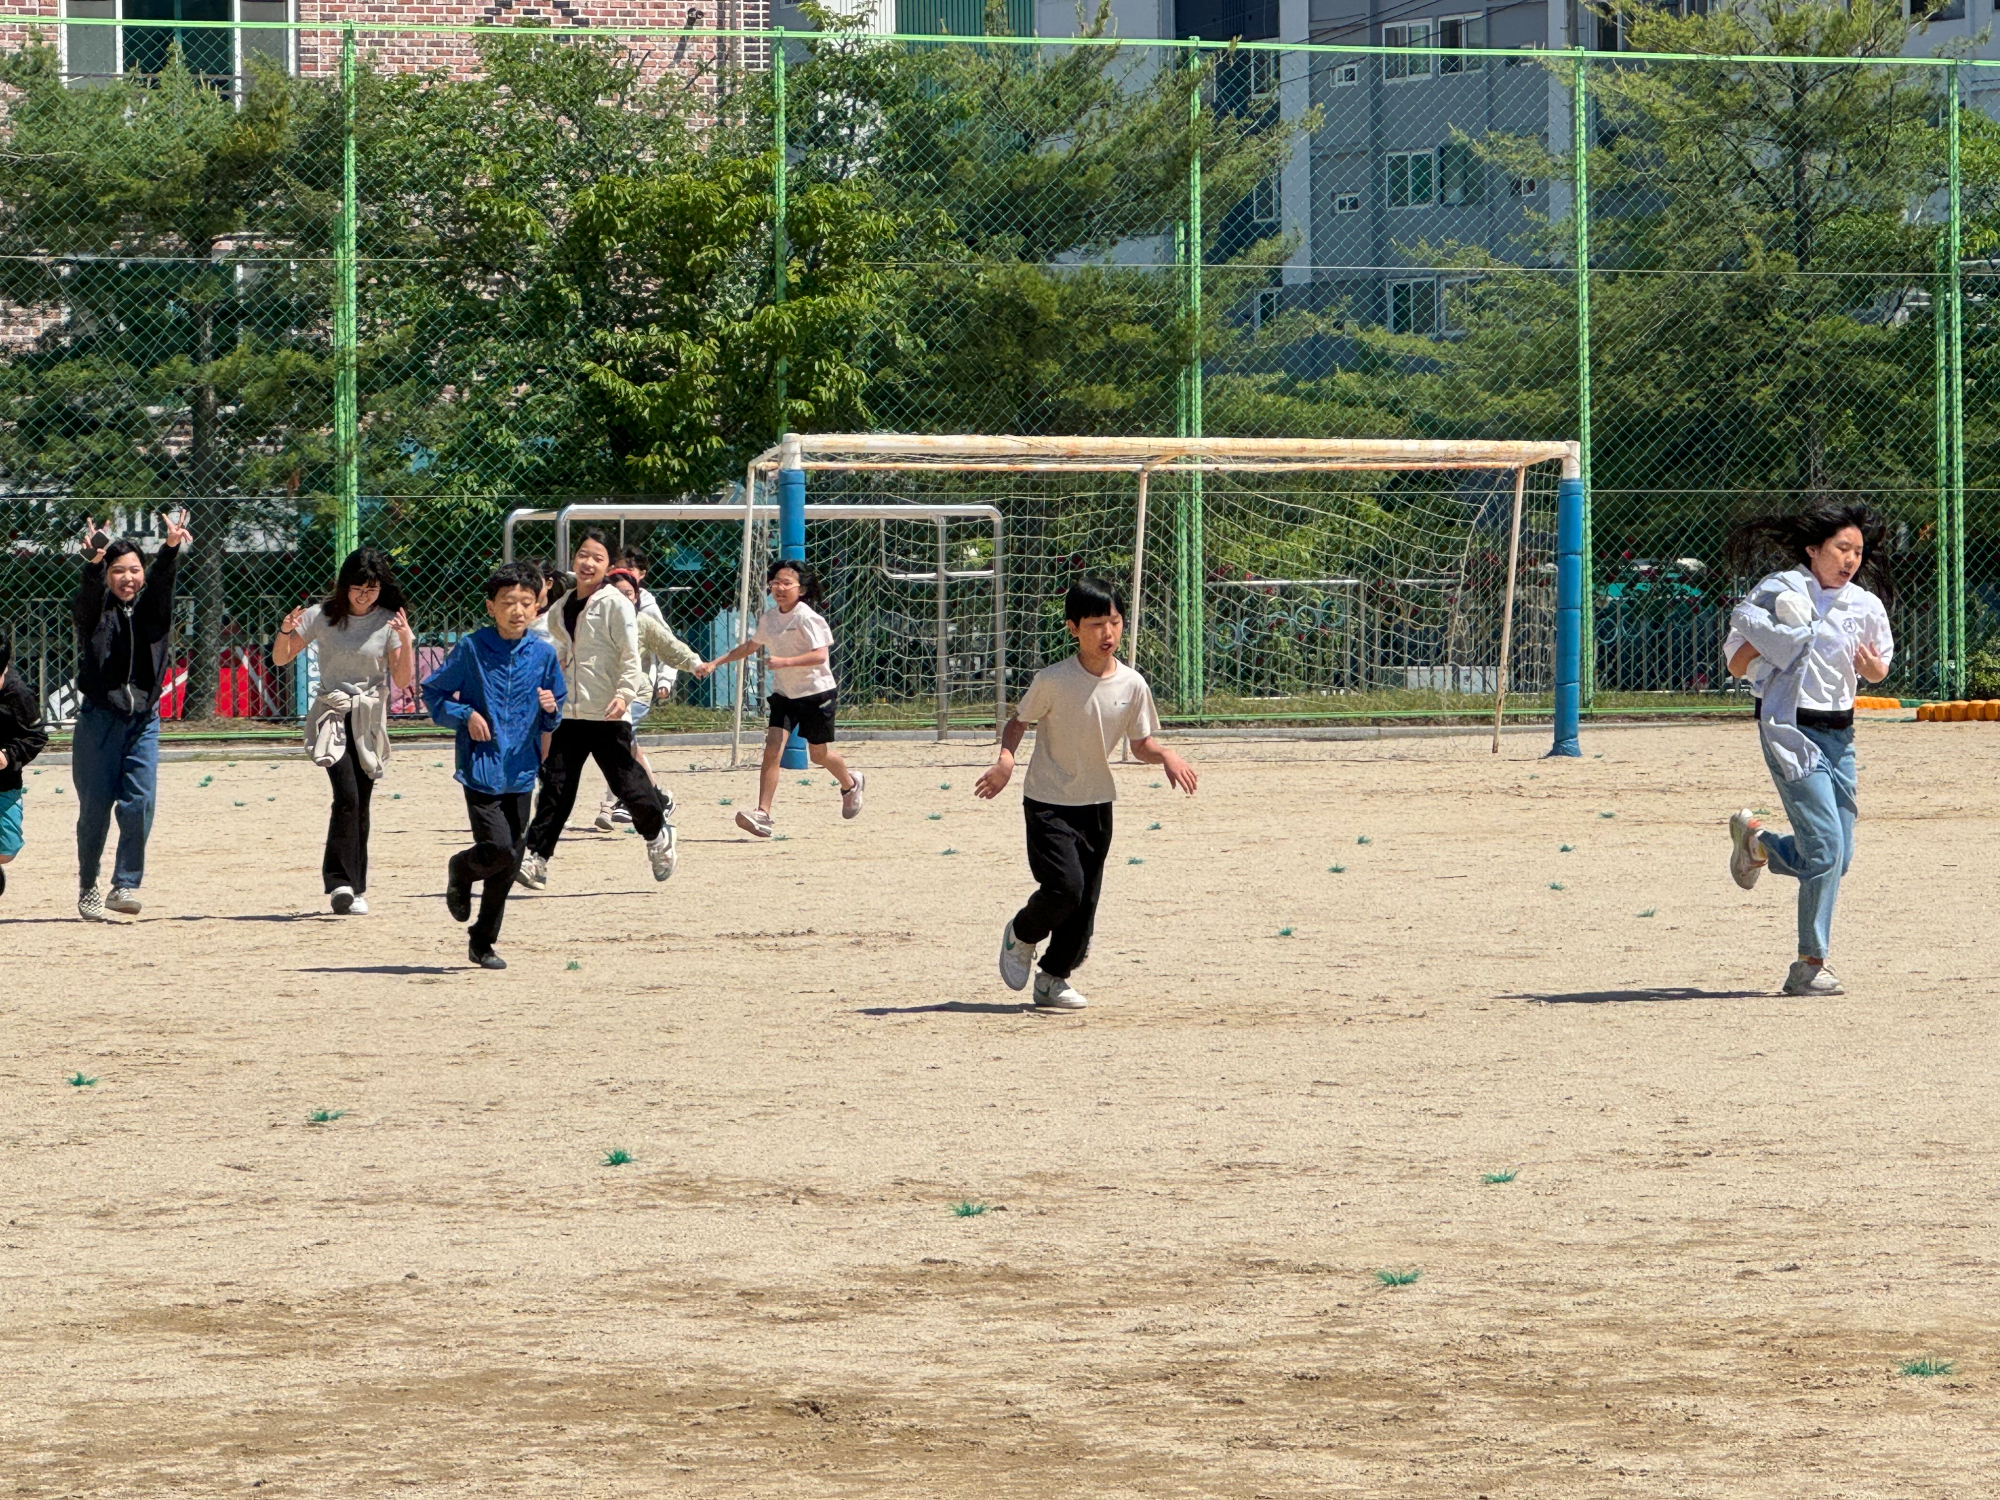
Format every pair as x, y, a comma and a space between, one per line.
1416, 34
1461, 31
146, 36
1412, 179
1264, 202
1347, 203
1461, 175
1413, 307
1937, 10
1347, 75
1524, 187
1264, 307
1263, 74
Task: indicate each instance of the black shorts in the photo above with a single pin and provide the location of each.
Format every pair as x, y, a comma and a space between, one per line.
812, 717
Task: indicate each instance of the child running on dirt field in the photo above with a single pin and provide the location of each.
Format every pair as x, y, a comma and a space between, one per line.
1080, 709
502, 691
1803, 636
804, 693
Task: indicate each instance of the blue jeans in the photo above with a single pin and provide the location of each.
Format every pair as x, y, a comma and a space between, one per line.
1820, 847
115, 763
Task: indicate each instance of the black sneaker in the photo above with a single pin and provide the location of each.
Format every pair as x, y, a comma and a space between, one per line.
457, 899
3, 880
486, 958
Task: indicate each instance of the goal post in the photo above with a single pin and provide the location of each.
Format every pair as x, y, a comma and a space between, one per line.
1405, 574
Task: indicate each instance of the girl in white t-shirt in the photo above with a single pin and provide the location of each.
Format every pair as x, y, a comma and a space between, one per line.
804, 694
1805, 636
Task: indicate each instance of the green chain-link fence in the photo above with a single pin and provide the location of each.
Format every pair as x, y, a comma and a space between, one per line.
392, 296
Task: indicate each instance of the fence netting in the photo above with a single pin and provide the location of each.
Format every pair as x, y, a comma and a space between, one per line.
598, 267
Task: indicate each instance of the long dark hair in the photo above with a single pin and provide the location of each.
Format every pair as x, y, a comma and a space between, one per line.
363, 565
808, 580
1763, 544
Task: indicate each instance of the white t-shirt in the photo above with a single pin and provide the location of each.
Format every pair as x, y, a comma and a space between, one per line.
1828, 682
353, 655
1079, 720
795, 634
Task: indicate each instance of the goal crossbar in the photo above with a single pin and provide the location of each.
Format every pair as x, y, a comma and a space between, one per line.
895, 450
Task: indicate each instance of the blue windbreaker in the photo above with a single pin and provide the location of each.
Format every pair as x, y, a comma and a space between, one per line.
499, 679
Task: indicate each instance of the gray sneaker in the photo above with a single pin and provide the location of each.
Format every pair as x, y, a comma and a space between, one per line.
1745, 848
755, 820
1811, 979
850, 802
534, 871
1055, 995
90, 904
664, 852
123, 900
1017, 959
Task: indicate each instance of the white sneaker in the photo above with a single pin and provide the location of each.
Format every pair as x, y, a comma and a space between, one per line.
1745, 865
1053, 996
358, 909
664, 852
534, 871
90, 904
341, 899
755, 820
606, 806
1811, 979
850, 802
1017, 959
123, 900
666, 802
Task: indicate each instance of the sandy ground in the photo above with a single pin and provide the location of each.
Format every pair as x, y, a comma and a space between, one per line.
1735, 1215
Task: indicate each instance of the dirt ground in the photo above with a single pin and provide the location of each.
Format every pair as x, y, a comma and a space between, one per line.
1735, 1216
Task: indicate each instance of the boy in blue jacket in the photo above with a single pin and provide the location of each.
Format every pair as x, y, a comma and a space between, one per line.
502, 691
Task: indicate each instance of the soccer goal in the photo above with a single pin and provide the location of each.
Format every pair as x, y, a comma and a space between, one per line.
1268, 578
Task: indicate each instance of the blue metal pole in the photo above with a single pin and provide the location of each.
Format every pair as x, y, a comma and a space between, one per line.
1569, 614
792, 548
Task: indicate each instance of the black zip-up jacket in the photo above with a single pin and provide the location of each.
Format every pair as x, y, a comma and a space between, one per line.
124, 643
23, 736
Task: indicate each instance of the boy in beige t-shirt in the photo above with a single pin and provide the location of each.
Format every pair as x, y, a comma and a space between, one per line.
1081, 708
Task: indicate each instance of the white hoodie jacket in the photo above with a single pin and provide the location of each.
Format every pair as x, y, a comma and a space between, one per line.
602, 663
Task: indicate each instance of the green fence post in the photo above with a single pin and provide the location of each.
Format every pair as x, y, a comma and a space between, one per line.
1941, 460
1195, 685
346, 402
780, 243
1957, 235
1580, 148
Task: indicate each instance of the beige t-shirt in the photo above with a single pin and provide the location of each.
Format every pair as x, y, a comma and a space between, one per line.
1079, 720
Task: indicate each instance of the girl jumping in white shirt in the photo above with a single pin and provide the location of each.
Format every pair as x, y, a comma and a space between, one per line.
1803, 636
804, 693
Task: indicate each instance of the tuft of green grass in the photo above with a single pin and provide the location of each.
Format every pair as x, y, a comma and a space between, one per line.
947, 851
270, 799
1608, 815
1649, 911
1152, 828
965, 1208
1532, 776
571, 965
438, 765
77, 1080
239, 804
59, 791
1556, 885
1156, 783
725, 802
395, 796
1492, 1179
1364, 839
324, 1116
1598, 756
1397, 1278
617, 1156
1134, 860
1336, 869
780, 838
206, 781
1284, 932
805, 781
1566, 849
934, 817
1926, 1367
1760, 812
230, 765
944, 786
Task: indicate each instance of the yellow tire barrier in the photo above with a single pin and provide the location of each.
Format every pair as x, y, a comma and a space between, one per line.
1958, 711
